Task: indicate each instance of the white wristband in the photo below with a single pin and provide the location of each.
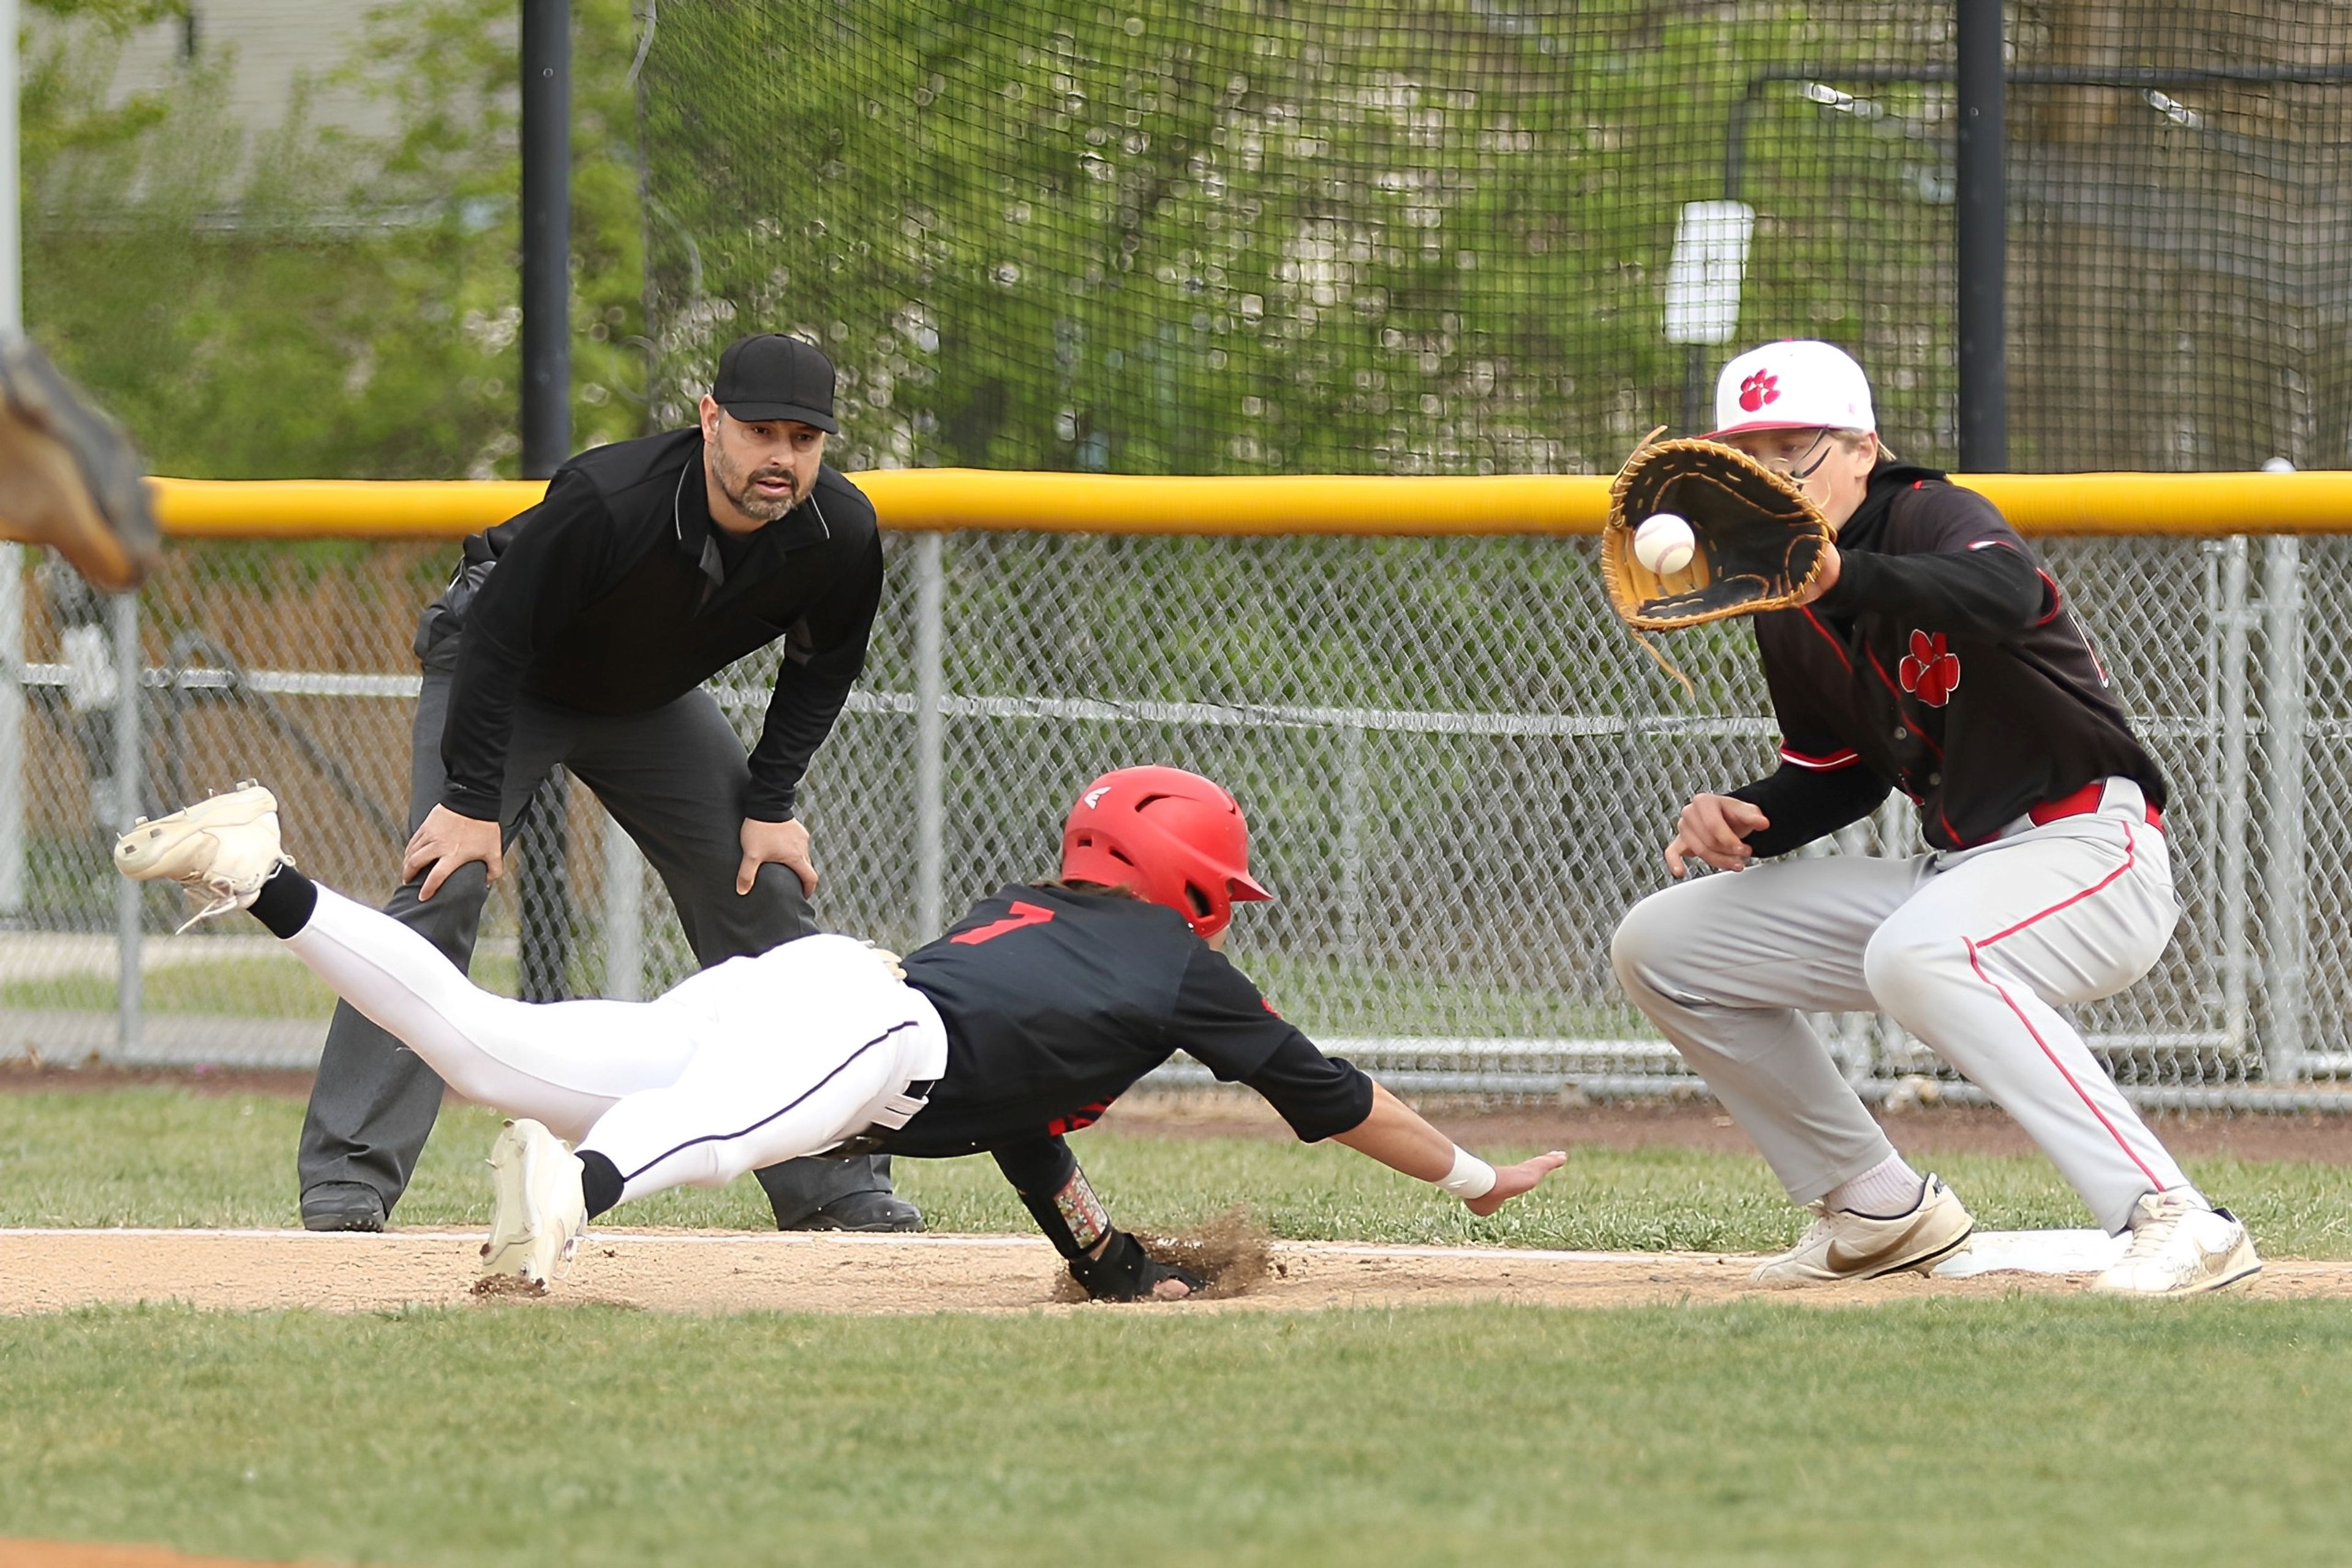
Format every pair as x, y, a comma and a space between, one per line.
1471, 1176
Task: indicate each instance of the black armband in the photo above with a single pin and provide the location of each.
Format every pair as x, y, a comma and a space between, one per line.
1056, 1195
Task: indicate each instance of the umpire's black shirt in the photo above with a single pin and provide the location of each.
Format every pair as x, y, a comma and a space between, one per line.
1055, 1001
613, 595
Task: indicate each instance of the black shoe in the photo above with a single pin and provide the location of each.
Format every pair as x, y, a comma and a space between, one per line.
344, 1205
863, 1211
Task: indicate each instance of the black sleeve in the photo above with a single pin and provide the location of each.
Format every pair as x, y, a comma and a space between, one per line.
822, 657
1801, 803
1951, 560
1319, 1096
1230, 1028
1822, 783
1035, 1165
1223, 1021
555, 559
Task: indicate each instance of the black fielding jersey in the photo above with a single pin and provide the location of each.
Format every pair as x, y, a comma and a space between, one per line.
1056, 1001
1945, 663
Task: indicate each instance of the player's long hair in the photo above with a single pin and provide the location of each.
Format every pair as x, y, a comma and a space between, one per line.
1104, 890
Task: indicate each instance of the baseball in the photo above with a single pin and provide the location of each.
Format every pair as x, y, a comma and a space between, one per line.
1663, 542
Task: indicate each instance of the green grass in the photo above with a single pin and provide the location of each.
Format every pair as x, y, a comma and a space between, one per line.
1339, 998
163, 1157
1331, 997
1956, 1431
252, 987
1995, 1431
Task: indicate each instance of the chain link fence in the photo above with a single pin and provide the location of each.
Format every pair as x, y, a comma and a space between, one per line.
1460, 773
1389, 237
1355, 236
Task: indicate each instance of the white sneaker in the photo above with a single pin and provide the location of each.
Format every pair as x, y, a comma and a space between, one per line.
537, 1212
2180, 1248
220, 849
1842, 1245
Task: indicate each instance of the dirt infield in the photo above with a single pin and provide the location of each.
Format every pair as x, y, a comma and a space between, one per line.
48, 1270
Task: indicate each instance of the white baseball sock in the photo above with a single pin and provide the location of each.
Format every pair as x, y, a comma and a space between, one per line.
1886, 1190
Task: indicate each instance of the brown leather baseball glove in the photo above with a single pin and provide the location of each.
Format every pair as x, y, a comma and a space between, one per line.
1757, 540
68, 477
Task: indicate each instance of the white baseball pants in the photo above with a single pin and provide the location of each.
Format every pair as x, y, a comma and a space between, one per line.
749, 1062
1972, 951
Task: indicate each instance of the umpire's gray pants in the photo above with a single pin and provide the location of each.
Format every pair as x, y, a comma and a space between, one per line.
1972, 952
674, 778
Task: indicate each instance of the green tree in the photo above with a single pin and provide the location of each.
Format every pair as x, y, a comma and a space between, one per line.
342, 308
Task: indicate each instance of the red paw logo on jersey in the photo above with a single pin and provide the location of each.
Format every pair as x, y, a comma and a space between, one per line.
1929, 672
1760, 389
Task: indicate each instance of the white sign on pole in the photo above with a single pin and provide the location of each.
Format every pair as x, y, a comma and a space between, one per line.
1709, 264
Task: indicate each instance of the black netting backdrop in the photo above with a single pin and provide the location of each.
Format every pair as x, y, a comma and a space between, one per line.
1378, 236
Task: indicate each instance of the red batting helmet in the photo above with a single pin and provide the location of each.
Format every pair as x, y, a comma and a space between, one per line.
1172, 838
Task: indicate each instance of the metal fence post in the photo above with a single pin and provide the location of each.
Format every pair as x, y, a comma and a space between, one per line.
2285, 933
2234, 696
931, 738
128, 789
1853, 1042
625, 914
12, 758
1351, 841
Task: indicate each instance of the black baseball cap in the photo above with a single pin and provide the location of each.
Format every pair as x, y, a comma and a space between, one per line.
771, 376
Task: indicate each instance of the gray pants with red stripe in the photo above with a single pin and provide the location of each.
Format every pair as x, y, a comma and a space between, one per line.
1972, 952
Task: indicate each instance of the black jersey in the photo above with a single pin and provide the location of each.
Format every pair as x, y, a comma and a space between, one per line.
1056, 1001
617, 593
1945, 663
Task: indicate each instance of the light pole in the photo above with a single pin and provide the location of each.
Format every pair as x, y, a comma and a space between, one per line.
1981, 233
541, 889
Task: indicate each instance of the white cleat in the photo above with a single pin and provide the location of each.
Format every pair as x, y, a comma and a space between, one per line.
220, 849
2179, 1246
1842, 1245
537, 1212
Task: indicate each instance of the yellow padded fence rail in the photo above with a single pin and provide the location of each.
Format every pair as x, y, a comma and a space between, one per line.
943, 499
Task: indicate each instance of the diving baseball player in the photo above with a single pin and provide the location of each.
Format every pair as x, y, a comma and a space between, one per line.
1936, 657
580, 632
1041, 1006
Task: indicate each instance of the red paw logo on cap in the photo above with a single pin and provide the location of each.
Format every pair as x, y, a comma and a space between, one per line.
1760, 389
1929, 672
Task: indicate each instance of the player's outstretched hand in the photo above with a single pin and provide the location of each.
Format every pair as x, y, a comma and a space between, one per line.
1715, 828
784, 843
1510, 1181
446, 842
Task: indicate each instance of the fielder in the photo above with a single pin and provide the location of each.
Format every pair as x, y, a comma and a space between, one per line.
1042, 1005
580, 632
1936, 656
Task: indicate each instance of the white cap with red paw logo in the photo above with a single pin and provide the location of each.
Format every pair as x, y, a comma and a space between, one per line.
1798, 384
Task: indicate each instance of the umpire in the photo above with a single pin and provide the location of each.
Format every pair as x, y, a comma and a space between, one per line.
580, 632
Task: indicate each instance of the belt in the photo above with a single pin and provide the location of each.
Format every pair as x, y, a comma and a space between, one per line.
899, 1111
2082, 803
